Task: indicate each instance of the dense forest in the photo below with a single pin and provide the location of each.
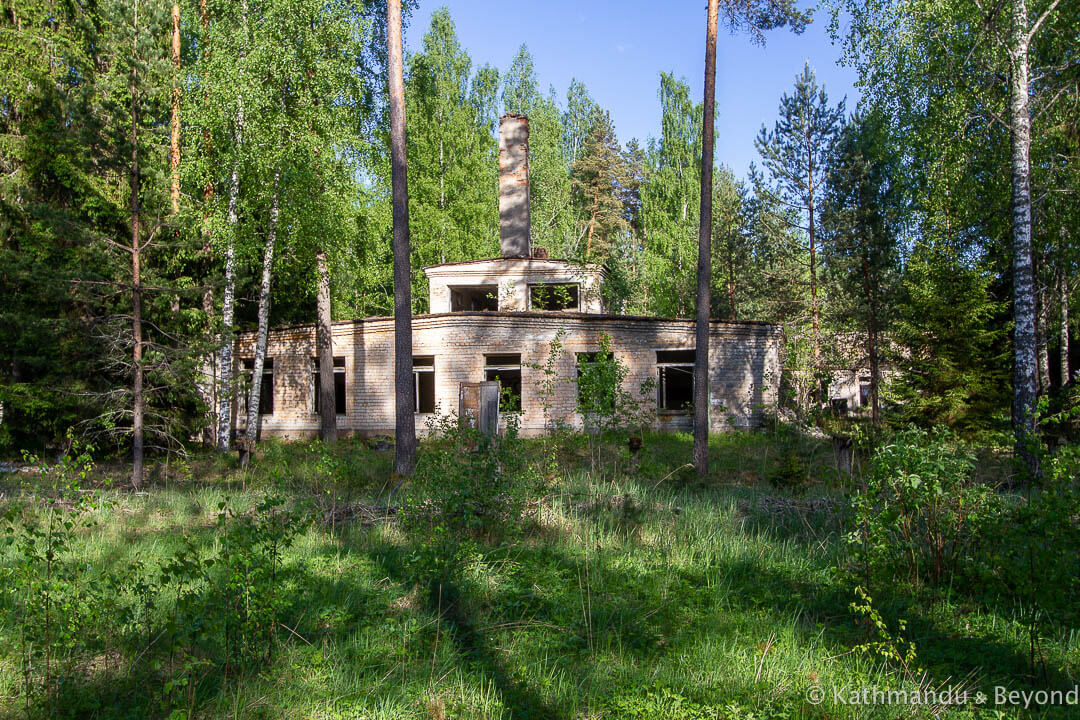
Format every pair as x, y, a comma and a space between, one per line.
182, 170
174, 174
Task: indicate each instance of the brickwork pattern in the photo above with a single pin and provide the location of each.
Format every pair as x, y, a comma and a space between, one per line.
510, 279
743, 358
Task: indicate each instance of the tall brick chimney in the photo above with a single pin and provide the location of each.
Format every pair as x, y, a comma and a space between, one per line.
514, 185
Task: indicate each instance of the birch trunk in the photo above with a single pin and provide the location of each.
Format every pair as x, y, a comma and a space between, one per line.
136, 274
174, 121
704, 262
872, 342
813, 270
254, 395
404, 392
1042, 333
1063, 329
228, 295
1024, 391
325, 345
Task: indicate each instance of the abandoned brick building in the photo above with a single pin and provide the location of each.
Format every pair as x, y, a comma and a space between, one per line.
492, 319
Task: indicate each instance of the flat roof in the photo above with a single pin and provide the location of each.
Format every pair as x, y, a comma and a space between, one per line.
504, 258
549, 315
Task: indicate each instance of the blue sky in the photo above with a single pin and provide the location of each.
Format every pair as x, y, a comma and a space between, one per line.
619, 48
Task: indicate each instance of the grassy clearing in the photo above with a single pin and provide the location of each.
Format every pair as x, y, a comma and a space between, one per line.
635, 591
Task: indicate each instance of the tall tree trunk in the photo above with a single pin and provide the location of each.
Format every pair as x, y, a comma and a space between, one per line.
872, 342
813, 271
1042, 332
228, 295
1024, 390
404, 391
704, 264
174, 123
207, 251
136, 273
324, 344
255, 392
731, 280
1063, 329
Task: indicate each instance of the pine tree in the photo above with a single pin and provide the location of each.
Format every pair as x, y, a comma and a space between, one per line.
404, 398
796, 154
598, 177
860, 239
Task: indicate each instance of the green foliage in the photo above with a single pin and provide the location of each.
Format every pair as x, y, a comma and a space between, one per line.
670, 202
468, 488
957, 367
1030, 550
61, 608
914, 517
603, 398
621, 572
247, 575
453, 208
54, 596
732, 247
791, 474
889, 647
666, 704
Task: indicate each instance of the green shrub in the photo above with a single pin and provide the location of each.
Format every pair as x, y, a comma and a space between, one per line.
467, 488
790, 474
246, 576
1030, 554
56, 598
916, 512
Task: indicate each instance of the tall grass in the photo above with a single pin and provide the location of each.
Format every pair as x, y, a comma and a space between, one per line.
634, 591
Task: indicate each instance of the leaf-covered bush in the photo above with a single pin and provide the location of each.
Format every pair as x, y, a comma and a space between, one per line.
1030, 549
915, 514
467, 487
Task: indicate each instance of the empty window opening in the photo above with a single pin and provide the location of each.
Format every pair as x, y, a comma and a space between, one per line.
551, 296
424, 380
505, 370
839, 406
675, 380
864, 394
595, 393
482, 297
339, 385
266, 388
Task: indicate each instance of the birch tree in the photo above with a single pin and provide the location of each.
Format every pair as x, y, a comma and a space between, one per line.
228, 298
262, 331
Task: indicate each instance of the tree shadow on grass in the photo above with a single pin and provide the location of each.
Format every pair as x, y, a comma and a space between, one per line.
643, 614
445, 599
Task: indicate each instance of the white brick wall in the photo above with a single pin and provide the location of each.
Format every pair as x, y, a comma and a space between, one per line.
511, 278
744, 363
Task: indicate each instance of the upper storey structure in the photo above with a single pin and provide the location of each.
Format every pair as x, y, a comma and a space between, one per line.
515, 284
521, 279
